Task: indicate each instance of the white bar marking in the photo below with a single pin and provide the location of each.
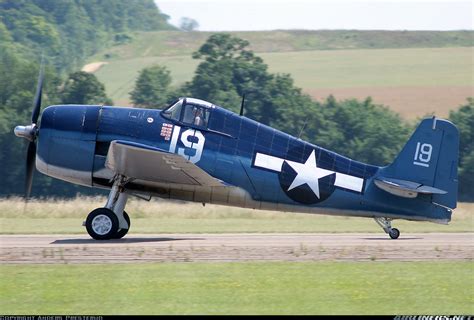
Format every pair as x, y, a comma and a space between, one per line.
268, 162
349, 182
421, 164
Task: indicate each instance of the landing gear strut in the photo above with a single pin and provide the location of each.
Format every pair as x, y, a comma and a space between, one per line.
386, 224
110, 222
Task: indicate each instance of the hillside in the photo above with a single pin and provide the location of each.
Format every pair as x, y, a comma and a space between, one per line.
413, 72
174, 43
36, 27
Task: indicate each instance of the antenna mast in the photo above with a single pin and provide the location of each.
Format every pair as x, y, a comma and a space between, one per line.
242, 105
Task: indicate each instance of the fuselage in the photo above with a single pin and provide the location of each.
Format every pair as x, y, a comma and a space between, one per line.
260, 167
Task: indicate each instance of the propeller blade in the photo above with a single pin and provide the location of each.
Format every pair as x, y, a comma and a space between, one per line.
30, 166
39, 91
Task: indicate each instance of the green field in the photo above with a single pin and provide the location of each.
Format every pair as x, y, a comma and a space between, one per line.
376, 67
322, 69
239, 288
59, 217
119, 75
414, 74
175, 43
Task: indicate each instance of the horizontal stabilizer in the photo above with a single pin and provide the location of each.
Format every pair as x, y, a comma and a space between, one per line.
403, 188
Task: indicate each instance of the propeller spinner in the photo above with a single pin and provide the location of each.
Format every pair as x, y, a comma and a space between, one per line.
30, 133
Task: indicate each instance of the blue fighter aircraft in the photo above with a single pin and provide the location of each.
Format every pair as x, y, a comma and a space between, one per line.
196, 151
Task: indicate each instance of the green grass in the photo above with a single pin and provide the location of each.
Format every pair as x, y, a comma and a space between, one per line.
239, 288
157, 216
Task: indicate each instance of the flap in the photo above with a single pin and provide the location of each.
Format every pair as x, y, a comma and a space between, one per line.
148, 163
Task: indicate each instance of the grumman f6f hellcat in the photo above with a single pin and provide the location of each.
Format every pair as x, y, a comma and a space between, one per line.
196, 151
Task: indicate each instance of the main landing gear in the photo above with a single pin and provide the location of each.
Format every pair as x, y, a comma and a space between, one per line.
110, 222
386, 224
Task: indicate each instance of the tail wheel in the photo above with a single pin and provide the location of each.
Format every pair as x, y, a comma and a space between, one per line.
122, 232
386, 224
394, 233
102, 224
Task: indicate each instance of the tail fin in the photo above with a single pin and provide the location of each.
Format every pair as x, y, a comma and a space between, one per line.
430, 158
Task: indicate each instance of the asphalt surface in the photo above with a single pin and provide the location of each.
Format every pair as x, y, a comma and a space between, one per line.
50, 249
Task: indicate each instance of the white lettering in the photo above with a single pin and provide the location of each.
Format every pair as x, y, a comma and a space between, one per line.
188, 138
174, 139
423, 154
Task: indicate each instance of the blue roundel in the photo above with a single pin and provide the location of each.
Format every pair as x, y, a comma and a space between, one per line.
304, 179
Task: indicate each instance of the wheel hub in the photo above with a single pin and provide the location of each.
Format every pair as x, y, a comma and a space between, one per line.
101, 224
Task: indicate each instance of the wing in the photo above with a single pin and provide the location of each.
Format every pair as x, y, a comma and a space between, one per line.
148, 163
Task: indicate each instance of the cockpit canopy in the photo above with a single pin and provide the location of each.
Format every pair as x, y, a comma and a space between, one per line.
190, 111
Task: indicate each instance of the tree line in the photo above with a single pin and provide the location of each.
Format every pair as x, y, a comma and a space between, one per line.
67, 32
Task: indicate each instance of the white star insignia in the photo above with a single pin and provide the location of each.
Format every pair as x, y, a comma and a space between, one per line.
308, 173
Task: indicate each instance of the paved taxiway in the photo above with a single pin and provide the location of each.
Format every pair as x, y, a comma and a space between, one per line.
236, 247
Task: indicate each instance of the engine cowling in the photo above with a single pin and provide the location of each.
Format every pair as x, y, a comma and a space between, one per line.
66, 142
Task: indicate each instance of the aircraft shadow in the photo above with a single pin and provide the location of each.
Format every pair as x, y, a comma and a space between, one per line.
124, 240
399, 239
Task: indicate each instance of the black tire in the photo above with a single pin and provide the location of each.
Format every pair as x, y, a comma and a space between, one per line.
102, 224
122, 232
394, 233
